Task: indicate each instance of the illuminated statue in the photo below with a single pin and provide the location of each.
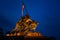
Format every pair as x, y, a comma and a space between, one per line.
24, 26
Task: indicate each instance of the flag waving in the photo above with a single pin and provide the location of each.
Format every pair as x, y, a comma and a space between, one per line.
22, 9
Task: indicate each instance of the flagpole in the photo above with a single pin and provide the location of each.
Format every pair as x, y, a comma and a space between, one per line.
22, 9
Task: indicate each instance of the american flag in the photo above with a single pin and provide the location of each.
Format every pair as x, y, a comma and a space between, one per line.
22, 9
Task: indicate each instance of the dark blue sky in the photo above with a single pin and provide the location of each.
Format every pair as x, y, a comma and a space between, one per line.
46, 12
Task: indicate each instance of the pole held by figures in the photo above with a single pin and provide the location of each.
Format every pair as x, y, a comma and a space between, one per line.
22, 9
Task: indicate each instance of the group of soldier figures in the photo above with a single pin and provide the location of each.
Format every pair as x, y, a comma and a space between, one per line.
25, 24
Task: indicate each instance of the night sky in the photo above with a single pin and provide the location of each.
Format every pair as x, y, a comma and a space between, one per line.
46, 12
